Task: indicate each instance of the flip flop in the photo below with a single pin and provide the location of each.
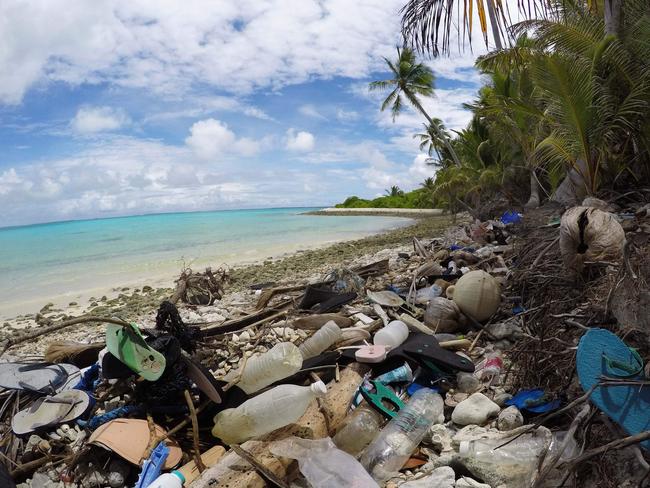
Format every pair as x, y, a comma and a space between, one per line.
203, 379
128, 345
322, 300
602, 354
534, 401
43, 378
129, 439
50, 411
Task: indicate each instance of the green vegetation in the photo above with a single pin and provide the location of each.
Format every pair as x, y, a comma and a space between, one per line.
420, 198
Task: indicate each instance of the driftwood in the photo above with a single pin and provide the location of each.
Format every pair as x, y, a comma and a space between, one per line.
312, 425
56, 327
199, 288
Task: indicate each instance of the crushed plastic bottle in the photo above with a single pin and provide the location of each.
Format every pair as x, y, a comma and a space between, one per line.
266, 412
327, 335
279, 362
489, 370
168, 480
388, 452
358, 430
425, 295
322, 464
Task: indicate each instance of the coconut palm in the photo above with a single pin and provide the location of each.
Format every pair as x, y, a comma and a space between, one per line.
410, 80
427, 25
394, 191
433, 142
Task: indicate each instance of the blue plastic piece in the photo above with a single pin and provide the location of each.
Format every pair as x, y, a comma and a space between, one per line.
602, 354
530, 400
152, 467
117, 413
456, 247
517, 309
413, 387
88, 380
510, 217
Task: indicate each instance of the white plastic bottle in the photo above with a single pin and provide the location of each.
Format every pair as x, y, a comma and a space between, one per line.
327, 335
279, 362
392, 335
168, 480
266, 412
388, 452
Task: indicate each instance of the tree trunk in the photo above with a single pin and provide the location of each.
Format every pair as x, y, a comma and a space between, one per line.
574, 188
612, 13
533, 201
494, 23
444, 139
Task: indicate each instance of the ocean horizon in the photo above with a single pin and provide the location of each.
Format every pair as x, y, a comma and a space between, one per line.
70, 260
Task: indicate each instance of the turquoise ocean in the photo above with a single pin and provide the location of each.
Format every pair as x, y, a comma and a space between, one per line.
66, 261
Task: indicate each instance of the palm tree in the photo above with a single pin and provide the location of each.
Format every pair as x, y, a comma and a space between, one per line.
427, 24
433, 141
428, 184
410, 80
394, 191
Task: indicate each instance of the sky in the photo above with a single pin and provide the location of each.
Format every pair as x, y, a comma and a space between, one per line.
123, 107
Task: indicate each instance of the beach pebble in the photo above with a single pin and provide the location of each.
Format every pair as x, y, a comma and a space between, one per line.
466, 482
443, 477
476, 409
501, 398
244, 336
510, 419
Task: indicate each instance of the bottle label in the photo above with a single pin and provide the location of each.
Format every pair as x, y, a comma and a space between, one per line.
493, 363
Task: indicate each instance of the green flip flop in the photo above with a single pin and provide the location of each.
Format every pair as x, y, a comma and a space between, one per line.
128, 345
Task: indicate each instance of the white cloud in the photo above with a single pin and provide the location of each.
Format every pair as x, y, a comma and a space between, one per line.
299, 141
421, 169
90, 120
309, 110
346, 115
211, 138
235, 46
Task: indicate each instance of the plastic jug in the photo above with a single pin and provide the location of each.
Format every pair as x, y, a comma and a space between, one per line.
327, 335
168, 480
279, 362
358, 430
266, 412
392, 335
388, 452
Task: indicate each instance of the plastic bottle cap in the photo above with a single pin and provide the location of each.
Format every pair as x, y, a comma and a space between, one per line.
319, 388
463, 449
179, 475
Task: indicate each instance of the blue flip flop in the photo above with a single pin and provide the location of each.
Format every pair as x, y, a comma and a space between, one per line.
602, 354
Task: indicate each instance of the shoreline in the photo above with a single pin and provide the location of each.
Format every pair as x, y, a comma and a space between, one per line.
137, 300
414, 213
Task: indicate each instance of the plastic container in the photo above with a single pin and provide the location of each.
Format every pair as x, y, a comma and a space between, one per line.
266, 412
489, 370
392, 335
168, 480
513, 464
358, 430
279, 362
327, 335
425, 295
388, 452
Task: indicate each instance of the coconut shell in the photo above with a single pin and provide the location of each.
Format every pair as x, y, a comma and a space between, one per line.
477, 294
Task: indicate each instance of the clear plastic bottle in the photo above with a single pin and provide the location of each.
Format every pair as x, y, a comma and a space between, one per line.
425, 295
279, 362
388, 452
358, 430
327, 335
266, 412
168, 480
392, 335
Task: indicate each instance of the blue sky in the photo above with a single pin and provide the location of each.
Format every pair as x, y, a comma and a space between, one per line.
126, 107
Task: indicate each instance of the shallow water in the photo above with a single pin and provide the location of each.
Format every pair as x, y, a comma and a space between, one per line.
40, 262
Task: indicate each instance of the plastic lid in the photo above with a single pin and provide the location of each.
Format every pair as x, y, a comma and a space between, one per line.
463, 449
180, 476
318, 388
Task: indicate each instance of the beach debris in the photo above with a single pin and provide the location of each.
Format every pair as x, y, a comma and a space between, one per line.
200, 288
386, 298
477, 294
475, 410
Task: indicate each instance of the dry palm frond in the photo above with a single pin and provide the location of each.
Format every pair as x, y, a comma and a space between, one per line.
81, 355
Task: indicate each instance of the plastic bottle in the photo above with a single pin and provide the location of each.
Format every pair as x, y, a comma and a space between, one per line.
392, 335
358, 430
266, 412
425, 295
327, 335
388, 452
168, 480
513, 464
279, 362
